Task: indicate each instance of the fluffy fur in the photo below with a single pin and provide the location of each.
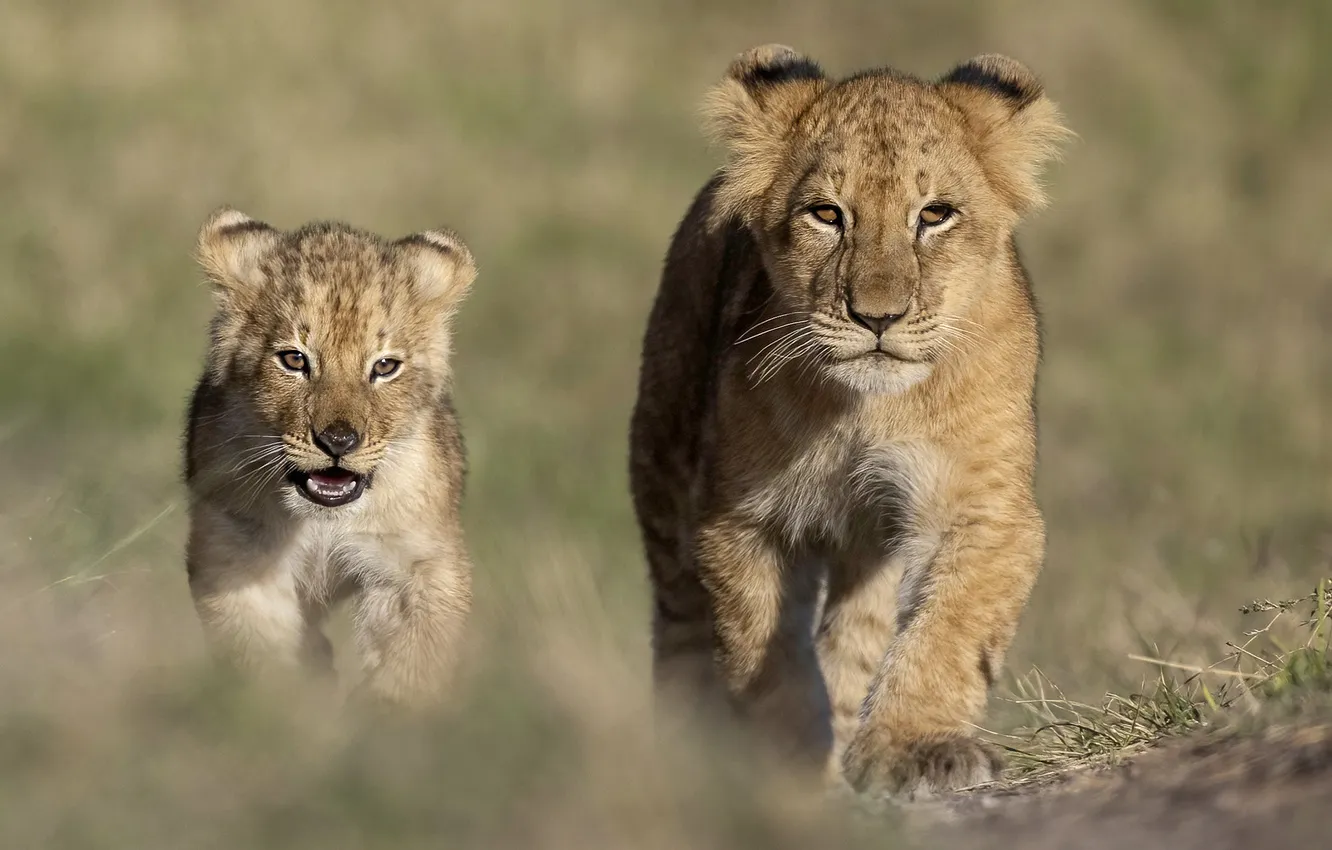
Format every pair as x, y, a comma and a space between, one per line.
833, 448
265, 558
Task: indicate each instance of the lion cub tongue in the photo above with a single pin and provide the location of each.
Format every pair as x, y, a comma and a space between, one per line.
330, 484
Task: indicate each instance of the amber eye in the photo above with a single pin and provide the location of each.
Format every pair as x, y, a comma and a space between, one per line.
936, 214
385, 367
827, 213
293, 361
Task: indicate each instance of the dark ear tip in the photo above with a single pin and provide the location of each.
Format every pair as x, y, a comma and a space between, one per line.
226, 220
772, 63
443, 240
1000, 75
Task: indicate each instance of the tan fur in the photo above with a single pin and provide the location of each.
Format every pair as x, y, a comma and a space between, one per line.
841, 539
265, 562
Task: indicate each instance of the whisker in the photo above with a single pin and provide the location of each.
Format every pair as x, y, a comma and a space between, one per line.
981, 331
820, 356
776, 318
795, 351
262, 455
776, 366
776, 355
272, 473
756, 334
969, 322
776, 345
212, 417
252, 474
803, 355
261, 447
220, 443
948, 344
961, 332
252, 493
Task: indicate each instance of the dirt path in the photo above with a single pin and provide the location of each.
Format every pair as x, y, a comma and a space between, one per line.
1260, 787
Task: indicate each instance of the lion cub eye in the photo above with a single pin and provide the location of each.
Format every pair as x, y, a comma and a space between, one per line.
936, 214
385, 367
827, 213
293, 361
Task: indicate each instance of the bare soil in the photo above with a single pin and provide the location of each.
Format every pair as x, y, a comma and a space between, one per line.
1231, 788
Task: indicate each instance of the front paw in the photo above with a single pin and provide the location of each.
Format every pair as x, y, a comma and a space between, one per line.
919, 768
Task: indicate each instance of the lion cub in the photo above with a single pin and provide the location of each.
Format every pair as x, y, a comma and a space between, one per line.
834, 442
323, 457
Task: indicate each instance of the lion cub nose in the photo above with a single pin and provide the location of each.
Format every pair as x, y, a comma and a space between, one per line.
338, 439
875, 324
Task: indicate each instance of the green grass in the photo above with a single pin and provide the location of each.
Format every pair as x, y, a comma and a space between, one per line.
1286, 661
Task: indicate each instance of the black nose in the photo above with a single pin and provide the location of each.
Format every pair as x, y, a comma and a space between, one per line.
338, 439
875, 324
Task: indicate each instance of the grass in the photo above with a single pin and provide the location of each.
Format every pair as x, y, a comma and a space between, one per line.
1285, 660
1069, 735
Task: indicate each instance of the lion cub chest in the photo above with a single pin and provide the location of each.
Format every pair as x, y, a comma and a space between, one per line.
853, 490
329, 558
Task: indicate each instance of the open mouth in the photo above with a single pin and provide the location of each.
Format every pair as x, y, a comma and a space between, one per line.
330, 487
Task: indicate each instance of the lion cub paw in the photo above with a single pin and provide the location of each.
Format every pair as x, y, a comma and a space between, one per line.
919, 769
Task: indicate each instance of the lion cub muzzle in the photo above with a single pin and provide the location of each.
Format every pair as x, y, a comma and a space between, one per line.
332, 486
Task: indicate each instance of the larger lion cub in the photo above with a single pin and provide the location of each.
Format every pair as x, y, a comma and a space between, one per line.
834, 441
323, 456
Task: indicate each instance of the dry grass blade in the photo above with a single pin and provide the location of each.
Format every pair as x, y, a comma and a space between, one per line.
1066, 735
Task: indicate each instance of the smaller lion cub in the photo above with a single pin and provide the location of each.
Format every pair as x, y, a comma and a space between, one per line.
323, 456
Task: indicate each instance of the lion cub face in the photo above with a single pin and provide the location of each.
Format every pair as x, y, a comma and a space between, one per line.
334, 344
881, 202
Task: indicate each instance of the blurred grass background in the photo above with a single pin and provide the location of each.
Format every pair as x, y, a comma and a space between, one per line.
1184, 271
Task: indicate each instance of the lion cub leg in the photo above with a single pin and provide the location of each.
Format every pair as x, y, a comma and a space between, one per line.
957, 612
245, 592
857, 625
409, 625
763, 602
684, 671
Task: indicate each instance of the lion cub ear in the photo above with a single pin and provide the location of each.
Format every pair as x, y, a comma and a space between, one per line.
751, 112
443, 266
231, 248
1018, 128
